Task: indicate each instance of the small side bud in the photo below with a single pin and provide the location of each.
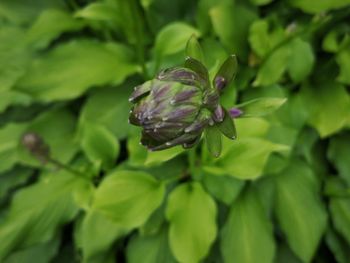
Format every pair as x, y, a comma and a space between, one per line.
235, 112
35, 144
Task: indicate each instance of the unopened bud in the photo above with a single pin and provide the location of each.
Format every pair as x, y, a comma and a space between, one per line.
36, 146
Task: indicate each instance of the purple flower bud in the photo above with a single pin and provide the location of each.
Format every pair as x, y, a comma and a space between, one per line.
220, 83
235, 112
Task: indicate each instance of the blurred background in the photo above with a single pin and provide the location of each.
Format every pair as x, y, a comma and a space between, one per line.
84, 190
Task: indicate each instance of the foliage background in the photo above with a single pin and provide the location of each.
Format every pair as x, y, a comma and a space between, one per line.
280, 193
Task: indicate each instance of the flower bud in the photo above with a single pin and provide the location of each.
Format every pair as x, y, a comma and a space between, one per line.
36, 146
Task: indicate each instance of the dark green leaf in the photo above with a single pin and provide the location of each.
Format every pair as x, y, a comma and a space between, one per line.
213, 140
227, 126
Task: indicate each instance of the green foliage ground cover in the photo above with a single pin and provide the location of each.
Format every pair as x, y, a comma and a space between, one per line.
279, 193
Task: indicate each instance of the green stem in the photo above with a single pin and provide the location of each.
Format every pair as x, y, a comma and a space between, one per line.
192, 159
62, 166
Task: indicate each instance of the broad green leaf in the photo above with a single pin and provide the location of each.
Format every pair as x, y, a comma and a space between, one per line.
37, 212
191, 213
11, 97
339, 207
99, 11
46, 28
239, 18
14, 56
301, 60
338, 246
339, 154
328, 106
194, 50
96, 235
99, 145
72, 68
19, 11
159, 157
11, 179
172, 38
224, 188
41, 253
343, 60
247, 234
263, 39
247, 157
273, 67
285, 255
260, 107
150, 249
57, 128
10, 137
213, 140
300, 213
316, 6
137, 153
128, 198
110, 108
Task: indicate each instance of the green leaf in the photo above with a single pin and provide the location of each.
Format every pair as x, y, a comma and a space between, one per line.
239, 18
285, 255
338, 246
96, 235
41, 253
128, 198
339, 154
273, 67
300, 212
54, 76
12, 98
159, 157
14, 56
227, 126
110, 108
99, 11
172, 38
263, 38
247, 234
261, 2
213, 140
328, 106
339, 208
247, 157
194, 50
37, 212
190, 238
150, 249
260, 107
343, 58
228, 70
10, 137
301, 60
197, 67
100, 145
14, 178
45, 28
315, 6
224, 188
